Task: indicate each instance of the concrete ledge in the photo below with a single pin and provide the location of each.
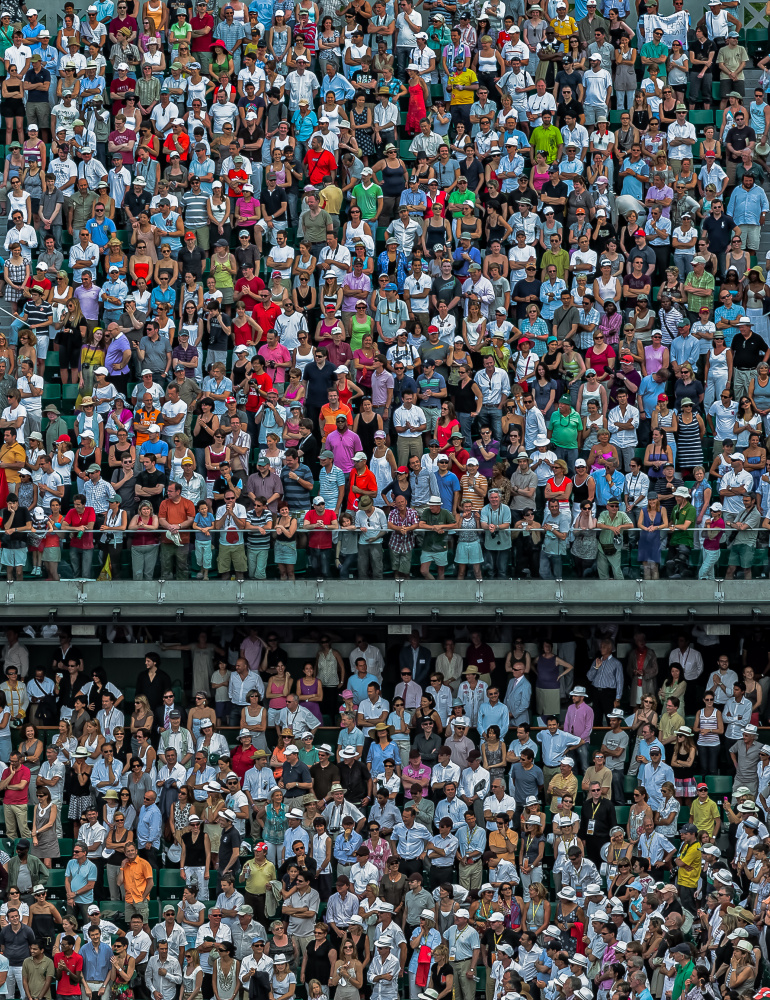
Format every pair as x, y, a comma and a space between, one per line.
386, 600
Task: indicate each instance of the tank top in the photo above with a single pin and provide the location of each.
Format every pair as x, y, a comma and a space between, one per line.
579, 493
353, 232
708, 736
393, 181
653, 358
589, 394
757, 112
383, 473
216, 457
761, 394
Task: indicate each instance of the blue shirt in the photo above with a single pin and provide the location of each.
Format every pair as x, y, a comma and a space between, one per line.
555, 747
168, 226
448, 485
148, 826
469, 843
378, 754
414, 199
158, 295
96, 964
455, 810
79, 875
684, 349
358, 685
210, 384
474, 255
328, 487
605, 490
746, 207
652, 780
290, 836
100, 231
347, 739
649, 390
304, 125
632, 185
159, 447
345, 850
733, 313
493, 715
338, 85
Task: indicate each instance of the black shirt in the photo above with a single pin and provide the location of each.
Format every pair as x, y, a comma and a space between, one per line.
136, 203
318, 382
150, 479
354, 778
490, 941
718, 231
558, 190
192, 261
229, 844
563, 108
18, 540
747, 353
246, 255
522, 288
309, 451
474, 171
739, 138
272, 201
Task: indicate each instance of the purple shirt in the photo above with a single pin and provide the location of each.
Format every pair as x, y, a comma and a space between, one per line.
380, 386
89, 301
362, 284
114, 356
579, 721
660, 194
486, 464
343, 447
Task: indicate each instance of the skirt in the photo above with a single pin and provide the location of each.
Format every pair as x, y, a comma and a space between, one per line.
285, 553
79, 804
547, 701
12, 107
469, 552
214, 830
48, 844
685, 788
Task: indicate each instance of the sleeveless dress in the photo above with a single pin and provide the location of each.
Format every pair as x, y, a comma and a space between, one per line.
366, 434
363, 137
690, 449
311, 706
47, 841
649, 542
684, 778
380, 467
327, 670
258, 740
416, 110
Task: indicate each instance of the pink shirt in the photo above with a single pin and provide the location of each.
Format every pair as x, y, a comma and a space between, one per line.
579, 721
414, 776
277, 353
343, 447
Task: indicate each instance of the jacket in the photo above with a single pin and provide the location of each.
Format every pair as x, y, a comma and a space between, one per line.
37, 870
419, 665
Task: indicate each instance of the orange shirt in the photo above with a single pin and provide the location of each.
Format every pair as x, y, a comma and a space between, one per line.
366, 481
328, 418
136, 875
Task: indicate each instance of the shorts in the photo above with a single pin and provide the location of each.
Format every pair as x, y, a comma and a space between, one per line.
740, 555
143, 909
39, 114
439, 558
469, 553
401, 562
726, 86
232, 556
202, 237
42, 345
13, 557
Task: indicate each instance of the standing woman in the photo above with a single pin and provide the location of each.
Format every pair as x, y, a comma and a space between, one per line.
31, 752
215, 804
320, 956
709, 727
347, 976
44, 918
624, 83
45, 843
195, 862
678, 66
218, 210
12, 105
275, 824
122, 971
652, 520
225, 967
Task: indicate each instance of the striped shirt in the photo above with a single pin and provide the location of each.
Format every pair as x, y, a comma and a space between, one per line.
195, 216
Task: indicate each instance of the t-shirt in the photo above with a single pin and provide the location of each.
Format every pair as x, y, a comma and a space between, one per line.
69, 984
76, 540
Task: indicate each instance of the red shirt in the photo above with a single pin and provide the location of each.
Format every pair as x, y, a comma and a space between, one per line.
77, 520
119, 87
33, 282
366, 481
19, 796
202, 43
126, 140
171, 142
255, 402
266, 315
238, 176
250, 301
69, 984
320, 164
320, 539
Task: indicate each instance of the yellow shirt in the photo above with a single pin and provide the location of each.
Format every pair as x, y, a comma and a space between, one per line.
331, 199
691, 855
669, 724
564, 786
464, 96
704, 815
258, 876
564, 29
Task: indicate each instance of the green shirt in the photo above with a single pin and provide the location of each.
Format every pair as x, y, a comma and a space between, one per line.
366, 199
706, 280
560, 261
678, 516
564, 430
608, 537
652, 51
432, 540
456, 199
546, 139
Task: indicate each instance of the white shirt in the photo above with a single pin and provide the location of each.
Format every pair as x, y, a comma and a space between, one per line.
731, 480
9, 414
493, 386
18, 55
690, 661
409, 418
474, 782
340, 254
677, 131
494, 805
623, 438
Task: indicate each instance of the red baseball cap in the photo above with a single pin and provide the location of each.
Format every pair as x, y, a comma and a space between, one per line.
640, 232
402, 469
231, 399
189, 236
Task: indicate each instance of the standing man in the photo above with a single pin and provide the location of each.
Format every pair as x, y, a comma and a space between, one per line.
464, 947
136, 877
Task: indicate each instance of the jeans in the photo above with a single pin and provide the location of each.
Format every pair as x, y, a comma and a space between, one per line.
402, 61
143, 560
13, 979
203, 554
625, 99
710, 559
320, 562
257, 559
370, 559
568, 455
550, 565
684, 262
492, 416
347, 565
496, 563
80, 560
174, 557
466, 420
